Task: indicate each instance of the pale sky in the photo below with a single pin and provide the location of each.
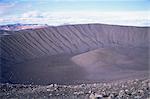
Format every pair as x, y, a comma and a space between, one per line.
57, 12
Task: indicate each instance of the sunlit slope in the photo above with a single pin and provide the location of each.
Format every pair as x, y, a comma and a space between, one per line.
114, 63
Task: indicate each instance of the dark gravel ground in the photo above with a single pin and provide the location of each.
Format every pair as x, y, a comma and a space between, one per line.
129, 89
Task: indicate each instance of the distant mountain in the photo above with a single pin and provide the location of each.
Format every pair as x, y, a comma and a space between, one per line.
19, 26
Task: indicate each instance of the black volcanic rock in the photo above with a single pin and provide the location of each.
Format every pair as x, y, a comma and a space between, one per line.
44, 55
116, 90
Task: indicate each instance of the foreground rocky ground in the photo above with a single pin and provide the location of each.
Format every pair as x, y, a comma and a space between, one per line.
130, 89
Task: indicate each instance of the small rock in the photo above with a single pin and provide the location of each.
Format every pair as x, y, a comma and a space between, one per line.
50, 94
49, 86
92, 96
137, 97
121, 93
90, 92
48, 89
98, 96
140, 91
111, 96
95, 96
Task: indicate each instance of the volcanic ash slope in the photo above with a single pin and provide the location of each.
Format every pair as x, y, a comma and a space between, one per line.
71, 54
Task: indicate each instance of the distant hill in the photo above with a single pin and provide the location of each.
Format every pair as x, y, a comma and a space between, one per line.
18, 26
